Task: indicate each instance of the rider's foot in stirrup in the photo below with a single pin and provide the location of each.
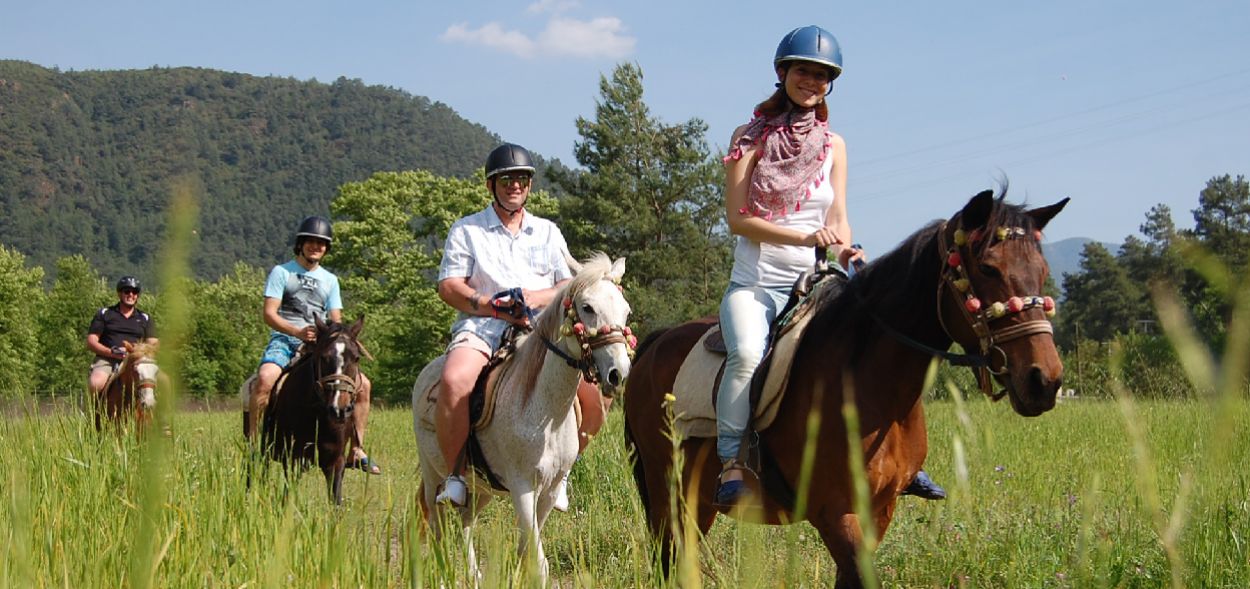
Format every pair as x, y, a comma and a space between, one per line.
455, 491
925, 488
562, 494
731, 489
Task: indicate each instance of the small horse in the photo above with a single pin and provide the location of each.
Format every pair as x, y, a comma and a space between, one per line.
132, 388
309, 415
869, 343
531, 442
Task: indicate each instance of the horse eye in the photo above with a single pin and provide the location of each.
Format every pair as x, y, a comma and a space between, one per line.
587, 309
990, 271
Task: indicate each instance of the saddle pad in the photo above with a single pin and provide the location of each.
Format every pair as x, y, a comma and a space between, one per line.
696, 383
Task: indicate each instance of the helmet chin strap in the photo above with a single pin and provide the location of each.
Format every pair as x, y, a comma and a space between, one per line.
511, 212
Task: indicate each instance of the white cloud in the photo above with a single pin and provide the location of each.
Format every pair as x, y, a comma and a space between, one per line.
490, 35
602, 37
554, 6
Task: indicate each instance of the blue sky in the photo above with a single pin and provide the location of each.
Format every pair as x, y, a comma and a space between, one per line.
1119, 105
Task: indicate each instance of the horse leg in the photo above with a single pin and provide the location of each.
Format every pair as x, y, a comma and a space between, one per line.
335, 480
524, 500
843, 539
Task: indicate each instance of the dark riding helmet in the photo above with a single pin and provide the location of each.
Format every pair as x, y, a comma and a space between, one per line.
314, 226
508, 157
810, 43
126, 282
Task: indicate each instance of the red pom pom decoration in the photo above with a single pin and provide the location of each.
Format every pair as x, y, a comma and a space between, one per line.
579, 328
627, 331
633, 341
605, 329
1015, 304
1037, 234
567, 302
1048, 304
975, 236
973, 304
954, 260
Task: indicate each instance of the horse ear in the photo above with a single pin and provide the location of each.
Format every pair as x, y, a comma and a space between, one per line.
354, 329
618, 270
321, 325
574, 265
977, 212
130, 347
1043, 215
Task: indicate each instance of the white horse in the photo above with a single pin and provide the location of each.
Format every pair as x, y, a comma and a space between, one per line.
531, 442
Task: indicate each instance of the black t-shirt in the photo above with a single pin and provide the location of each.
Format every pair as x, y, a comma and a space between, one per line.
115, 328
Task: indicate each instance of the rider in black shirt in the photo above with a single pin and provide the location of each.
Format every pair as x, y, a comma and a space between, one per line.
112, 326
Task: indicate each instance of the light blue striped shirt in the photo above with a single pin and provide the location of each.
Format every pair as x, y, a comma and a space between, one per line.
481, 249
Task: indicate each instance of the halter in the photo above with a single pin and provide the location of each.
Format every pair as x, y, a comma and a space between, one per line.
331, 384
981, 317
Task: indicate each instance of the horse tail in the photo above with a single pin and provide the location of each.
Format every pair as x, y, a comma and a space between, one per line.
640, 476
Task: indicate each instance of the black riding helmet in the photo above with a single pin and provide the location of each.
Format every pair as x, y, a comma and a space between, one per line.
314, 226
128, 282
508, 157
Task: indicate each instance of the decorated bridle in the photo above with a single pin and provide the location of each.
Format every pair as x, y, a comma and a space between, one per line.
585, 340
981, 316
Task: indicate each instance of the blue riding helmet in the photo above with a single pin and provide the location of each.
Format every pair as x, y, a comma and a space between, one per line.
810, 43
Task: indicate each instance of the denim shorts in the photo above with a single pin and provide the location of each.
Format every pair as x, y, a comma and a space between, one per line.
281, 349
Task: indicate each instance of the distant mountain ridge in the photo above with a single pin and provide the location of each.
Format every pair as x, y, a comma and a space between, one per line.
87, 159
1064, 256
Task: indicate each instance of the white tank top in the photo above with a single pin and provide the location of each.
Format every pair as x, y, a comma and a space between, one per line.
772, 265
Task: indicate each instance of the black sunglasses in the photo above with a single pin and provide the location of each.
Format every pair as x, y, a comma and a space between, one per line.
508, 179
132, 291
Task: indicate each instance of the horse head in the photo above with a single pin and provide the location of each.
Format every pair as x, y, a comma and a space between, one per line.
993, 273
139, 368
336, 361
596, 313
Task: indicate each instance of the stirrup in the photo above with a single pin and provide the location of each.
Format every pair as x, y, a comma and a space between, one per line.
454, 492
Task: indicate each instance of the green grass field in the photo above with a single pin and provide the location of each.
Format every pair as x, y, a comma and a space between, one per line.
1063, 500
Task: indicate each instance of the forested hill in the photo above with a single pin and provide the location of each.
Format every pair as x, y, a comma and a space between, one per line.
87, 159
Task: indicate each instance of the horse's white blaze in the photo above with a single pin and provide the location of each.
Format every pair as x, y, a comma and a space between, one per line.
342, 399
147, 371
147, 397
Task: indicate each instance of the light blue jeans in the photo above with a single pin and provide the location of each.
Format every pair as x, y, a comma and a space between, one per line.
745, 314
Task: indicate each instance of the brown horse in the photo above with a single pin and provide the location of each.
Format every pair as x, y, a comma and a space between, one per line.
131, 389
309, 415
869, 343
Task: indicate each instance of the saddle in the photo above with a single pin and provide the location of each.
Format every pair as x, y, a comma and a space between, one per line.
695, 407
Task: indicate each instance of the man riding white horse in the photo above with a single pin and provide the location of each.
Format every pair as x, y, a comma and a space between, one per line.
499, 248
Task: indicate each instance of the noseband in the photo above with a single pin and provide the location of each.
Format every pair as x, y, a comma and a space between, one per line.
981, 318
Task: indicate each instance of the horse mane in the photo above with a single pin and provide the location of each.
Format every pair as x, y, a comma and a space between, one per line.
888, 287
530, 355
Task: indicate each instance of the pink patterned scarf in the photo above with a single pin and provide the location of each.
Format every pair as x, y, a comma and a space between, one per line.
793, 147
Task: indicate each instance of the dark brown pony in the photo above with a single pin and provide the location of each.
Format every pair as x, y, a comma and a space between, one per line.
870, 343
132, 389
309, 414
